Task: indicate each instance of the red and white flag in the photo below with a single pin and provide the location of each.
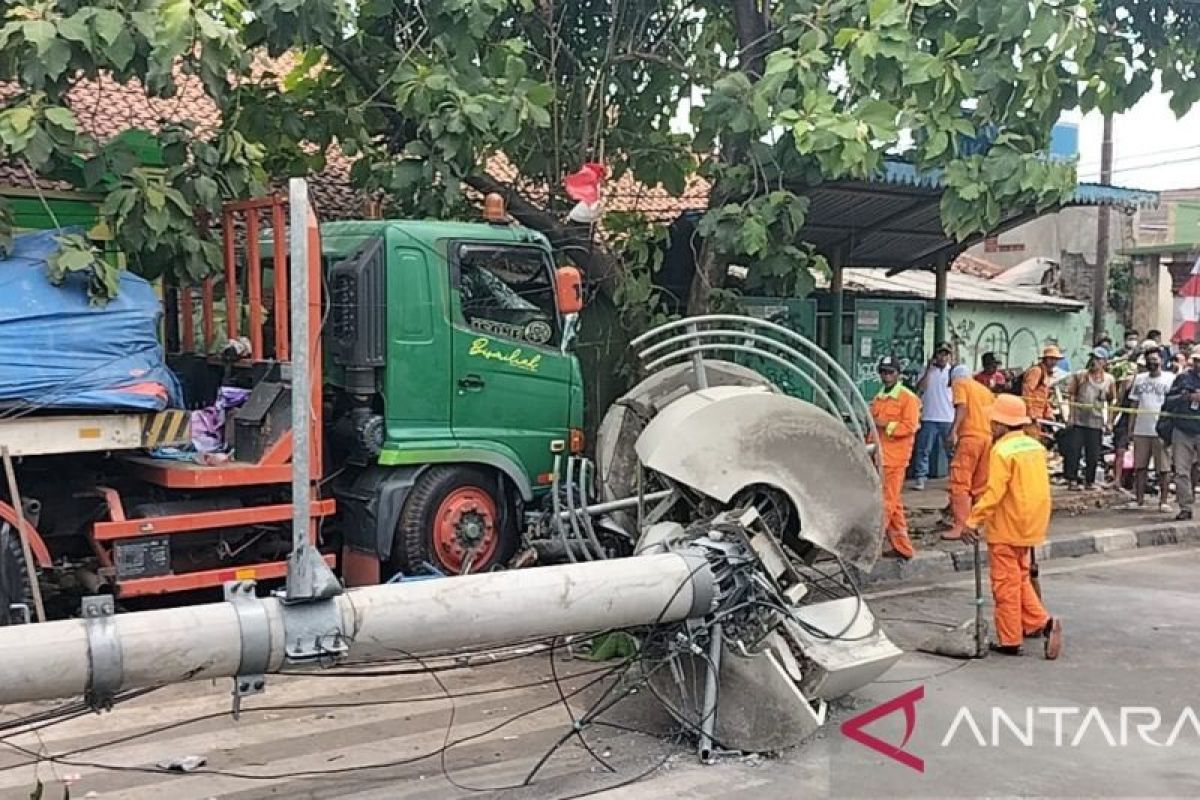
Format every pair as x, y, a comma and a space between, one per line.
584, 187
1186, 320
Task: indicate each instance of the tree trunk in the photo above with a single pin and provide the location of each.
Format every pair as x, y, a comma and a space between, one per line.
751, 19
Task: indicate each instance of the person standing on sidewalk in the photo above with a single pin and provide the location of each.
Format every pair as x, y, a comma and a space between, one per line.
971, 439
1035, 388
897, 413
937, 411
1090, 392
1183, 404
1148, 394
1014, 513
992, 376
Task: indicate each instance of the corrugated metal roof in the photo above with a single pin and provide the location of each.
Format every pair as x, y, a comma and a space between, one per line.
902, 173
959, 288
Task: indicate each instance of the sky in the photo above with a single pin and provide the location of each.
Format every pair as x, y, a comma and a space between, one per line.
1151, 148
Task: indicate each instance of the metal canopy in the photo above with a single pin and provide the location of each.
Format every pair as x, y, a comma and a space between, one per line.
893, 220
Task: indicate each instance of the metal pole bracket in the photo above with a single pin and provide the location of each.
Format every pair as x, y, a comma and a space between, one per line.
104, 651
255, 629
313, 631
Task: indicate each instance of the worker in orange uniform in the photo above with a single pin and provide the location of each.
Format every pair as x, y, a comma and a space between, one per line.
1014, 513
971, 439
1035, 388
897, 414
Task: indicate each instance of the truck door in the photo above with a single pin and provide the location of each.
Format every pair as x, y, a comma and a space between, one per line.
511, 380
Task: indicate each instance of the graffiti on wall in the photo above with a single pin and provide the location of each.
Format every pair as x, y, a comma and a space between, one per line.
893, 328
1015, 348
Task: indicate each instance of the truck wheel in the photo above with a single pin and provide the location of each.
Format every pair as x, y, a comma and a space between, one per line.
455, 520
14, 580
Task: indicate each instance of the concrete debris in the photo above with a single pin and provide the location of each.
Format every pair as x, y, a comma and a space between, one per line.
183, 763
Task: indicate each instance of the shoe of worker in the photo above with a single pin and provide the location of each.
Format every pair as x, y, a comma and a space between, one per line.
1132, 505
1166, 508
900, 546
1184, 515
1054, 637
1006, 649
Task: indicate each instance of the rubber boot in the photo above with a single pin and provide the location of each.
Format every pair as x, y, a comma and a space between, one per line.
960, 506
901, 544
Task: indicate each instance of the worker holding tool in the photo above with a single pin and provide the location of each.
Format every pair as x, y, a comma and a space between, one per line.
970, 439
1015, 513
1035, 388
897, 414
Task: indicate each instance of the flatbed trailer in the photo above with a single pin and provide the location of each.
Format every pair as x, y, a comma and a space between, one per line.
97, 501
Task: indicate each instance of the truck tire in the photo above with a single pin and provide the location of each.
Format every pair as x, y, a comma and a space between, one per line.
456, 519
14, 579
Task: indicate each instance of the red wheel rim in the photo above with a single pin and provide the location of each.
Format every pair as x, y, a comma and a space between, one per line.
465, 528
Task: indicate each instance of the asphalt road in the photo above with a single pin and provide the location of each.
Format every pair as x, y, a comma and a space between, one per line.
1133, 641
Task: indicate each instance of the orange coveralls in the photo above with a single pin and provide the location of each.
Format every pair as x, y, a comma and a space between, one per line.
897, 415
969, 467
1014, 513
1035, 391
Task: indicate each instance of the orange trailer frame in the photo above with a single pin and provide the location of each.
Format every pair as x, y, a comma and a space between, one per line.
273, 468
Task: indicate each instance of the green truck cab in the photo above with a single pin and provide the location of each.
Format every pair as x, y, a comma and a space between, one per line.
450, 388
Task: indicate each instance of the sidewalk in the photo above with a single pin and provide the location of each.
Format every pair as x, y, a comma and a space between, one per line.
1084, 523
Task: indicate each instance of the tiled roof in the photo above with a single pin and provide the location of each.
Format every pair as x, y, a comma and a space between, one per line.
105, 108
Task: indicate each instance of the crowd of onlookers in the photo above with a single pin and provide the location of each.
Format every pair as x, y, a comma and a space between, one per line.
1130, 415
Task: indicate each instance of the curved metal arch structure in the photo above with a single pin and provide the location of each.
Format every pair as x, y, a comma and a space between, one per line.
710, 337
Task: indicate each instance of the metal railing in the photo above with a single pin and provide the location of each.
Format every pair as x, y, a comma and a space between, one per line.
718, 336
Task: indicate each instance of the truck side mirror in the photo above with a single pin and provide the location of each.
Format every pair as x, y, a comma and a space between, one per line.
568, 284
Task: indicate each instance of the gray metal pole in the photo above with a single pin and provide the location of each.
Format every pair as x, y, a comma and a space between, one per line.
1100, 285
255, 636
301, 376
308, 576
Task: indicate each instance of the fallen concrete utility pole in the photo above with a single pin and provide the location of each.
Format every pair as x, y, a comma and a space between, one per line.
250, 636
747, 617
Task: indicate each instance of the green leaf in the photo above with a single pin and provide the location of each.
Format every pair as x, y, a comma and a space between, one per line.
62, 117
1044, 25
207, 191
938, 141
845, 37
878, 8
38, 149
877, 113
109, 25
157, 220
75, 27
39, 33
19, 119
122, 50
753, 238
540, 94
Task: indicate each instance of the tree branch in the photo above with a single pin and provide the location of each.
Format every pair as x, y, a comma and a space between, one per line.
598, 264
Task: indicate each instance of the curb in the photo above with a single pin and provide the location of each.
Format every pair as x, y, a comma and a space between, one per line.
928, 563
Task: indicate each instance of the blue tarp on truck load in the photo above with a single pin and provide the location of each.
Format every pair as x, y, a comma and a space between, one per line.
58, 351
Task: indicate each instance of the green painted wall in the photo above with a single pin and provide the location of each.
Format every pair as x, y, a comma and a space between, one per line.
1017, 333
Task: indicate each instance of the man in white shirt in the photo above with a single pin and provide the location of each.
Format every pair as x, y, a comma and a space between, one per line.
1148, 393
937, 411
